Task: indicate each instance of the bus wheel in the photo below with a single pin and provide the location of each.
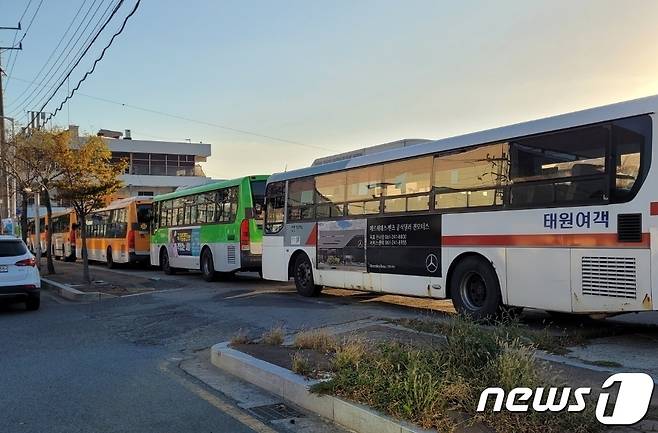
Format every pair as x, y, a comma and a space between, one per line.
207, 265
110, 259
164, 263
304, 277
475, 289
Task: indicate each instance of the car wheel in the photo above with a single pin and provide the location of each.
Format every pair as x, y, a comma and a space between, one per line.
164, 263
33, 302
303, 273
475, 289
110, 259
207, 265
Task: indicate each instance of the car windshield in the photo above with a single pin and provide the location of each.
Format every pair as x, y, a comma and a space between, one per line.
12, 248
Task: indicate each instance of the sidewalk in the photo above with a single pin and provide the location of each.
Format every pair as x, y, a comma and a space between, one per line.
104, 281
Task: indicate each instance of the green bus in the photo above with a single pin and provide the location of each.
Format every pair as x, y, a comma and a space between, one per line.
216, 228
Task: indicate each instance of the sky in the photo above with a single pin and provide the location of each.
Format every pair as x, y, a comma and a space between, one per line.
314, 78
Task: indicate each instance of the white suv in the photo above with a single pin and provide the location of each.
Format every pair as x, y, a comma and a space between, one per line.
19, 277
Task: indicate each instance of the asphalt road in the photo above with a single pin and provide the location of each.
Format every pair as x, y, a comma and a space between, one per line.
112, 366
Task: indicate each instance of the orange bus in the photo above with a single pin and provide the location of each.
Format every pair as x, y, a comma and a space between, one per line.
63, 226
31, 242
120, 232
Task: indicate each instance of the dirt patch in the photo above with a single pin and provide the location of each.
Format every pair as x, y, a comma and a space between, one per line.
282, 355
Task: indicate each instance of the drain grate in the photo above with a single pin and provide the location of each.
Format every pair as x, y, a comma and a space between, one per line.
273, 412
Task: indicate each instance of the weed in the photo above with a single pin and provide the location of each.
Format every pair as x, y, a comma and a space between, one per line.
316, 339
273, 336
240, 337
440, 387
349, 353
300, 364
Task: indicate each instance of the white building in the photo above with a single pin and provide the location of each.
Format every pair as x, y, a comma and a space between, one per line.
155, 167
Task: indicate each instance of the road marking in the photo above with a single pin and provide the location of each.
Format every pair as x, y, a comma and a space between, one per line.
229, 409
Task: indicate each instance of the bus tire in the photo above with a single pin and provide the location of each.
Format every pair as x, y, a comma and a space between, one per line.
207, 265
109, 259
475, 289
303, 274
164, 262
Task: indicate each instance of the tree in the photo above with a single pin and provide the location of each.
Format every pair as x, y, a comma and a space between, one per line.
41, 152
88, 178
17, 162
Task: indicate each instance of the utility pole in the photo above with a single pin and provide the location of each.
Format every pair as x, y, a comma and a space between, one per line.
5, 194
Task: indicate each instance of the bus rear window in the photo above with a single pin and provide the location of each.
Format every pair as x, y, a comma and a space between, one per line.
144, 215
258, 198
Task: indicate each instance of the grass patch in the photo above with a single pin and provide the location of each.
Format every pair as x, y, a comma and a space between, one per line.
240, 337
548, 338
439, 387
273, 336
316, 339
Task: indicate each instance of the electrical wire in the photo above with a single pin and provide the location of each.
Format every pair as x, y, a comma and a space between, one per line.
77, 57
191, 120
61, 39
35, 94
93, 68
14, 44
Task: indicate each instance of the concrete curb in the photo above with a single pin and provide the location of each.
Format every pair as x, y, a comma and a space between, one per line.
295, 388
68, 292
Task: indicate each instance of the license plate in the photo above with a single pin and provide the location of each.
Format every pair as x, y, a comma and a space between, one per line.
3, 268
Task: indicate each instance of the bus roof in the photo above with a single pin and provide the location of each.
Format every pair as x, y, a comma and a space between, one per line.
123, 202
208, 187
634, 107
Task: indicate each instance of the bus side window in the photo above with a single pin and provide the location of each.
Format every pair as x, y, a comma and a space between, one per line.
630, 138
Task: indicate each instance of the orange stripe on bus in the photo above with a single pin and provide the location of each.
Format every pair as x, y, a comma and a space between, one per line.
653, 208
592, 240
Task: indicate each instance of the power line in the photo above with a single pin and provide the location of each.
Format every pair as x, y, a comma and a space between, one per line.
60, 61
86, 44
61, 39
93, 68
13, 42
189, 119
20, 41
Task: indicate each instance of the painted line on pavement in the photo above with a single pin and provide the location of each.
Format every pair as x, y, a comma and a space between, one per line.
229, 409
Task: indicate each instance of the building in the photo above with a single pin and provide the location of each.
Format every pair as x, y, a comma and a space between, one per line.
154, 167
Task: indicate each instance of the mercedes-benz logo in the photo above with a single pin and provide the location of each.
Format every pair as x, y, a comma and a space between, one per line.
432, 263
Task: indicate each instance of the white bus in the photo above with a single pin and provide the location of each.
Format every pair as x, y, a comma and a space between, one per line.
559, 214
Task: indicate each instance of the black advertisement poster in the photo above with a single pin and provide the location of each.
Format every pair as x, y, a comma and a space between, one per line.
407, 245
